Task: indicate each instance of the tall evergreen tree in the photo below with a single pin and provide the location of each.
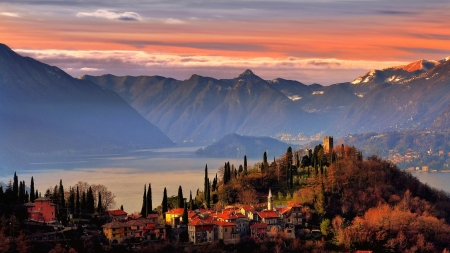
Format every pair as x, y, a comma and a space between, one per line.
245, 164
90, 201
62, 199
21, 192
83, 203
32, 194
99, 205
265, 163
144, 203
37, 195
27, 197
77, 202
208, 195
71, 200
121, 207
205, 183
15, 188
191, 201
185, 217
149, 199
164, 203
180, 197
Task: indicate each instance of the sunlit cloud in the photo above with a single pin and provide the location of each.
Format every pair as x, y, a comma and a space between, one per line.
126, 16
10, 14
173, 21
90, 69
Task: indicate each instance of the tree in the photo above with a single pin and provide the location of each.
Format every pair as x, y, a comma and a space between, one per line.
121, 207
62, 199
164, 202
265, 164
208, 195
180, 197
15, 189
149, 199
205, 183
32, 196
144, 203
83, 203
90, 201
245, 164
99, 205
71, 200
77, 202
185, 215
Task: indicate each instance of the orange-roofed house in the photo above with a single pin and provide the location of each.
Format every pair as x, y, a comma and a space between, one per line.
226, 231
153, 217
201, 231
258, 230
293, 215
242, 222
271, 219
116, 215
174, 217
42, 210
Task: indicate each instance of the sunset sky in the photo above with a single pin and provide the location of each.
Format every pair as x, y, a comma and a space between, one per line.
312, 41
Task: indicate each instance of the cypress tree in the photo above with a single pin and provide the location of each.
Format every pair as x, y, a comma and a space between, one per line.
245, 164
36, 195
265, 163
164, 203
27, 197
149, 199
15, 189
191, 201
90, 201
83, 203
185, 215
77, 202
62, 199
205, 182
99, 205
121, 207
180, 197
21, 192
144, 203
208, 195
32, 195
71, 200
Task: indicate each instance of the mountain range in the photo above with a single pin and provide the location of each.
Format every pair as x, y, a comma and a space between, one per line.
413, 96
43, 109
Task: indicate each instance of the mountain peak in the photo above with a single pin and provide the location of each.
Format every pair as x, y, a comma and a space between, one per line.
247, 73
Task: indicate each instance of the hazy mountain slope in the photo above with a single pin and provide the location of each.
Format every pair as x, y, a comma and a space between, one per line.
205, 109
236, 146
411, 104
44, 109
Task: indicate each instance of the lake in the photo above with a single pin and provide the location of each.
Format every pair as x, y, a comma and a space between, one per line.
126, 174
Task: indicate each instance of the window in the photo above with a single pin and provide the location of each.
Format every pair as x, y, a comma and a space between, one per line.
225, 229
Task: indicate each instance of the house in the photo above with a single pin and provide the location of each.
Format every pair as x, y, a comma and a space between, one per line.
153, 217
271, 219
116, 215
42, 210
293, 215
258, 230
174, 217
116, 231
200, 231
226, 231
152, 231
242, 222
249, 212
135, 229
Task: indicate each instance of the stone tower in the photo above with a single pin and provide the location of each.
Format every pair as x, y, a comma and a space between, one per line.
327, 144
269, 200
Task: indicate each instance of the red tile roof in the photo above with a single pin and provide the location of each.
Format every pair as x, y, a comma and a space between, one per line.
259, 225
224, 224
152, 216
178, 211
268, 214
117, 212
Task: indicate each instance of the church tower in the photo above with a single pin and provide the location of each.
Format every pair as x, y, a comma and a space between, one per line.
269, 201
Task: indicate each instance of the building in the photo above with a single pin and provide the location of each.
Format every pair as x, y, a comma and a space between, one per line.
116, 215
258, 230
226, 231
201, 231
174, 217
133, 229
42, 210
293, 215
327, 144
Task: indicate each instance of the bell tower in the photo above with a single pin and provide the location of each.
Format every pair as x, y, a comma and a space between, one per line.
269, 200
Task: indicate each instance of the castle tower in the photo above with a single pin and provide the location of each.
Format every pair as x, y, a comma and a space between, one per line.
327, 144
269, 200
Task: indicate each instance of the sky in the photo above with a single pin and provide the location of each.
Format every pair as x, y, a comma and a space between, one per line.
312, 41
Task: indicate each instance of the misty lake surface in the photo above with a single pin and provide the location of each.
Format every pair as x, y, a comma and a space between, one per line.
125, 174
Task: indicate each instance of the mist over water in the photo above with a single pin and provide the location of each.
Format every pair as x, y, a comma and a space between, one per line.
126, 174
